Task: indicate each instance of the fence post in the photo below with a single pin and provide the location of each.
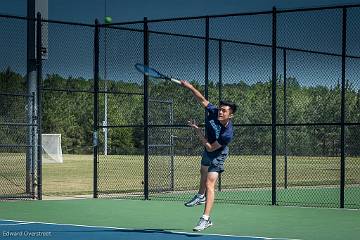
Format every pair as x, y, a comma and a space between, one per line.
31, 88
207, 57
343, 88
273, 113
33, 144
146, 112
39, 106
220, 70
285, 124
96, 106
206, 80
220, 94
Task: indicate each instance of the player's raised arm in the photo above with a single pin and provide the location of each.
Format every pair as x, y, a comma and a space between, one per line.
199, 97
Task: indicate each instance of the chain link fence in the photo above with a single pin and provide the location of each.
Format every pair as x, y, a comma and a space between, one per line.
17, 147
126, 136
67, 108
18, 125
121, 114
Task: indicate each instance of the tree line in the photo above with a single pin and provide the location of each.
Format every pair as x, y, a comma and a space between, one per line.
70, 113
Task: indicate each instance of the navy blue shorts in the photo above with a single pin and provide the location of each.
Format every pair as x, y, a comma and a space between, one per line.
215, 161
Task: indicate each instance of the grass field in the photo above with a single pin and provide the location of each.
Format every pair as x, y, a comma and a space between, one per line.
249, 174
312, 180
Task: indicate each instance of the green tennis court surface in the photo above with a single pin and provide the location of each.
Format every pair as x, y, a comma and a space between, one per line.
137, 219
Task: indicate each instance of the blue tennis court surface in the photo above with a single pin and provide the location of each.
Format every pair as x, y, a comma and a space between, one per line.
10, 229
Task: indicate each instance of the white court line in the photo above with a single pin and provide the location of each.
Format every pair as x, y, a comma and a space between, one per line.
149, 230
13, 224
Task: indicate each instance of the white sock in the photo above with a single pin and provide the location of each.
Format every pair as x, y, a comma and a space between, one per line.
206, 217
199, 195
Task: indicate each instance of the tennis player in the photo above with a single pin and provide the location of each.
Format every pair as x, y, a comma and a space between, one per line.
219, 133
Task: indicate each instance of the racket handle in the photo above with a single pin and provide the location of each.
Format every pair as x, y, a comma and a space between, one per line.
175, 81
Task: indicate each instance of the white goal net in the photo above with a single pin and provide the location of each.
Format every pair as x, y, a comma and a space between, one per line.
51, 145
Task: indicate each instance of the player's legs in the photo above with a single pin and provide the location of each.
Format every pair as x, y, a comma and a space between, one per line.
205, 221
203, 177
210, 191
200, 198
216, 167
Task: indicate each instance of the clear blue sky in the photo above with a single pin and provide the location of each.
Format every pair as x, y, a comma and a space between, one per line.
125, 10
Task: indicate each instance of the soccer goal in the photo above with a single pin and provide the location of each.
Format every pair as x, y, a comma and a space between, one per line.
51, 146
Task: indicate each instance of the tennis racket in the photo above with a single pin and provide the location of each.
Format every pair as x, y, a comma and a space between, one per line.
152, 73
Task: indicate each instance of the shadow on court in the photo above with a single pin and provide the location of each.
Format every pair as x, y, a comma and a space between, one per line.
24, 230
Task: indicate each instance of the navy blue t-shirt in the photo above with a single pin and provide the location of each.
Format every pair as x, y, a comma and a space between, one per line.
215, 131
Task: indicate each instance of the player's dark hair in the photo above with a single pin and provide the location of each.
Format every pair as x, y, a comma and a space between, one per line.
231, 105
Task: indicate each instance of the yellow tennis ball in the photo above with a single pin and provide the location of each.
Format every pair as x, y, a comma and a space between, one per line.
108, 19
